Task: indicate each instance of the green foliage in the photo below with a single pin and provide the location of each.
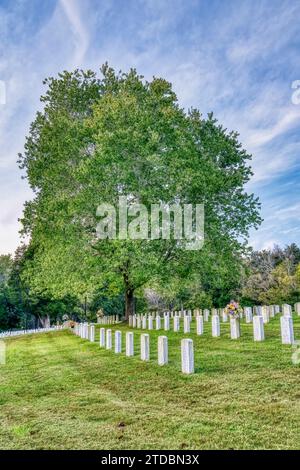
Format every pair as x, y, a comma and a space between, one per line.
20, 306
99, 139
271, 277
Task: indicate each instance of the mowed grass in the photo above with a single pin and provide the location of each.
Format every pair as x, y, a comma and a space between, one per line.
60, 392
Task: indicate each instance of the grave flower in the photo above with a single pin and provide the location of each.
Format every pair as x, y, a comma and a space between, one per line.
233, 309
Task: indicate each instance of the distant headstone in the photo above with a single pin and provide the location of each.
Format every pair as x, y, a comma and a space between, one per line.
224, 316
286, 310
248, 314
150, 322
166, 322
118, 342
129, 344
206, 314
199, 325
258, 328
158, 322
186, 324
145, 347
108, 339
162, 350
265, 314
215, 324
176, 323
287, 330
258, 309
235, 331
92, 333
297, 308
102, 338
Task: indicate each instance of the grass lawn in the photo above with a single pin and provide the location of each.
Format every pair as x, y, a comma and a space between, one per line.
60, 392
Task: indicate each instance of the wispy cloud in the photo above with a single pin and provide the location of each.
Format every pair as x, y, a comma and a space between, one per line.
80, 32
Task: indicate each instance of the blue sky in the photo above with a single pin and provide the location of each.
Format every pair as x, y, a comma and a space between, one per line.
237, 58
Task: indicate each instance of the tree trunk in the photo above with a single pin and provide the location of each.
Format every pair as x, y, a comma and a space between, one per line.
129, 302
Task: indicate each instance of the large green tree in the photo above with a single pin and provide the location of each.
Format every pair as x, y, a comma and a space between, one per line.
99, 139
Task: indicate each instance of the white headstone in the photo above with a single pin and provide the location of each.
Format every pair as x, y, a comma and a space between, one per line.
258, 310
130, 321
102, 338
108, 339
129, 344
224, 316
297, 308
162, 350
150, 323
92, 333
176, 323
248, 314
134, 321
235, 332
158, 322
199, 325
215, 324
186, 324
206, 314
187, 356
145, 347
287, 330
258, 328
138, 322
118, 342
166, 322
286, 310
144, 322
265, 314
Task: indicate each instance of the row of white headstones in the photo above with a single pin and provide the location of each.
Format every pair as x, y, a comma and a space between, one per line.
8, 334
108, 320
86, 331
149, 321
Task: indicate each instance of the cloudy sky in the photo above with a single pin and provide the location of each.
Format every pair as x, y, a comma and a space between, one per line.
237, 58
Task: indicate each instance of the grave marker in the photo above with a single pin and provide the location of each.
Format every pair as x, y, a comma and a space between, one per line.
162, 350
187, 356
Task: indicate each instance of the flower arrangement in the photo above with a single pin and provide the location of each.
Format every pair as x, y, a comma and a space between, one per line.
233, 309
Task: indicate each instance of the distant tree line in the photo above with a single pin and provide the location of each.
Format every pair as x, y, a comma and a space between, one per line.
272, 276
